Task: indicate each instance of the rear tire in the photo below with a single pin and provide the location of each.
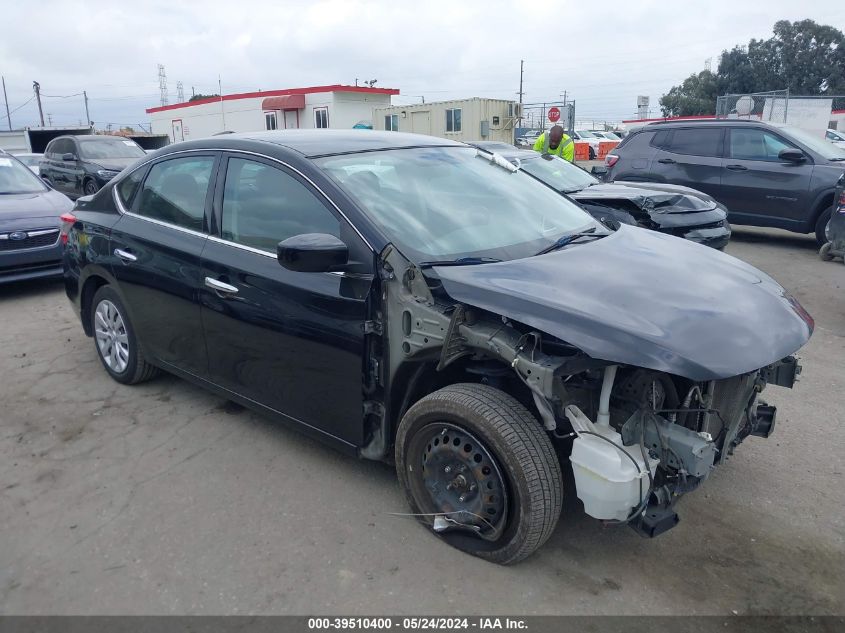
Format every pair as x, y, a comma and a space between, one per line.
115, 342
821, 226
486, 425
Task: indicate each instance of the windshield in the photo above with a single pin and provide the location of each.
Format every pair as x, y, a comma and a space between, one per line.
444, 203
584, 134
109, 148
816, 143
15, 178
610, 136
558, 173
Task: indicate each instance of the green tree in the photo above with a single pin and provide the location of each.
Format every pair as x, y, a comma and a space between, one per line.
199, 96
697, 95
805, 57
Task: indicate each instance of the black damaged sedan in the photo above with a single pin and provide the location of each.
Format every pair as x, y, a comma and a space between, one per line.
671, 209
410, 299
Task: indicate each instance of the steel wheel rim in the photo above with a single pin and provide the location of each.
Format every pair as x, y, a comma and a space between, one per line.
443, 471
111, 336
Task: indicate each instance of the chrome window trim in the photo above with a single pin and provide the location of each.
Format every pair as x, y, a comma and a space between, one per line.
123, 210
243, 247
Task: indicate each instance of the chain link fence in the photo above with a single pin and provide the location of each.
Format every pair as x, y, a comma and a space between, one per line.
778, 106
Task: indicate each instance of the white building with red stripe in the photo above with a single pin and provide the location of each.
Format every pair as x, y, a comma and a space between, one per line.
338, 106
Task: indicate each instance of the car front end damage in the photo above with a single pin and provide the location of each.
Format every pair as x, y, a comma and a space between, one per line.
671, 403
670, 209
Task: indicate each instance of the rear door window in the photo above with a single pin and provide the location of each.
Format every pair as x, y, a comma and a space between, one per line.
752, 144
698, 141
175, 192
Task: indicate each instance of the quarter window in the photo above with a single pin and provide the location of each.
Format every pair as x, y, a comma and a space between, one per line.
321, 117
263, 205
391, 122
175, 191
128, 186
749, 144
453, 120
270, 122
696, 141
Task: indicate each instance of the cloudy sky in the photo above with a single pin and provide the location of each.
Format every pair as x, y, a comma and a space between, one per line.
603, 54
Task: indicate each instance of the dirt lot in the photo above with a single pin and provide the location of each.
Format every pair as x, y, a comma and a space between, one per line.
164, 499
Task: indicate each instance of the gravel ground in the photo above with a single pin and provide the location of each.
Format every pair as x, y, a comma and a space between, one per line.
164, 499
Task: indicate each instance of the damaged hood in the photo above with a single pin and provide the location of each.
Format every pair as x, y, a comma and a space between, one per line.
656, 198
646, 299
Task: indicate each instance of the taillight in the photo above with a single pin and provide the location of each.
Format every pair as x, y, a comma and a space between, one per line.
842, 202
68, 220
610, 160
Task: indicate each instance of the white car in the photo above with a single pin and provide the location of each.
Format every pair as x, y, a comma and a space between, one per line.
588, 137
31, 161
608, 136
836, 137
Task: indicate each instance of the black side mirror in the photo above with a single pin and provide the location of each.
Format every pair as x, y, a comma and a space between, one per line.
599, 171
68, 156
312, 253
792, 155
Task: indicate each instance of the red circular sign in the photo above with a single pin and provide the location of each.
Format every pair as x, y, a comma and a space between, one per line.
554, 114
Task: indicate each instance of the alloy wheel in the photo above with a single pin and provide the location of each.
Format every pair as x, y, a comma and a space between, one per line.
112, 339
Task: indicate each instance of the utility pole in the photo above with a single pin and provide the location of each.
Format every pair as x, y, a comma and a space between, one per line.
37, 87
222, 110
50, 119
87, 116
6, 99
521, 66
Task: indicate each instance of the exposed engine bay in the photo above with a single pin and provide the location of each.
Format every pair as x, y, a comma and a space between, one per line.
639, 438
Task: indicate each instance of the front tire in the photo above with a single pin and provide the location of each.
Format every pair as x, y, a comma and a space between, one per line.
473, 455
115, 342
89, 187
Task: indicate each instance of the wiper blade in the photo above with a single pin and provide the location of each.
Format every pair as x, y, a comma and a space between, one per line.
569, 239
460, 261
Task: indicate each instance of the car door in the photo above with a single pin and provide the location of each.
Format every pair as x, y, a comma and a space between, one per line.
155, 253
759, 187
291, 341
691, 157
75, 169
58, 173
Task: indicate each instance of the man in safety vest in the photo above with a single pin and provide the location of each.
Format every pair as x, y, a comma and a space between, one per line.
557, 143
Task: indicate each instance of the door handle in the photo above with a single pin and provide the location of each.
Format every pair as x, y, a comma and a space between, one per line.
125, 255
666, 161
736, 167
219, 286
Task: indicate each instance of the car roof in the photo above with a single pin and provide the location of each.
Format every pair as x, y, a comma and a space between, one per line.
313, 143
706, 122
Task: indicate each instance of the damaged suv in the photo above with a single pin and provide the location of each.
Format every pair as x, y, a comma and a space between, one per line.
411, 299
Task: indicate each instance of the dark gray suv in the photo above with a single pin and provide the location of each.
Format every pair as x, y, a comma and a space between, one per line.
765, 174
